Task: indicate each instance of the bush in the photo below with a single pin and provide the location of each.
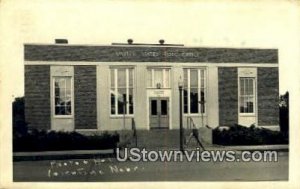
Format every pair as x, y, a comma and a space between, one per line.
36, 140
240, 135
284, 113
19, 123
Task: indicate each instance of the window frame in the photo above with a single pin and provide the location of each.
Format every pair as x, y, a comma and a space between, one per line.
164, 76
253, 95
199, 69
53, 97
127, 88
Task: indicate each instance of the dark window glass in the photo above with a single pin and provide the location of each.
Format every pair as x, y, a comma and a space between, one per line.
164, 107
112, 102
130, 101
185, 101
122, 101
194, 100
153, 107
202, 100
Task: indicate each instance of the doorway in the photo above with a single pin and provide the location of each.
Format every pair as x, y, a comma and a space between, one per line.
159, 113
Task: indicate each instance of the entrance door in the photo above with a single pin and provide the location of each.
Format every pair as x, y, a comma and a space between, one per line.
159, 113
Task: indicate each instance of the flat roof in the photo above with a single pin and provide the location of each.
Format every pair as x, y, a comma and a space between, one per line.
147, 53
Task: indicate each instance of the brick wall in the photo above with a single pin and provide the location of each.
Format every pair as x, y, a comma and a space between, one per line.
37, 96
85, 97
228, 96
268, 95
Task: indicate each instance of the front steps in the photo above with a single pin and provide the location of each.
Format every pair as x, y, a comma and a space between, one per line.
163, 138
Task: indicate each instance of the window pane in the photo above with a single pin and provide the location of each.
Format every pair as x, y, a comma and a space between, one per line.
149, 78
250, 105
250, 86
158, 77
112, 78
247, 95
242, 108
131, 101
68, 110
185, 78
164, 107
68, 94
112, 102
202, 78
59, 110
202, 100
130, 72
153, 107
122, 101
194, 100
185, 101
60, 82
119, 103
194, 78
121, 78
62, 96
68, 83
242, 86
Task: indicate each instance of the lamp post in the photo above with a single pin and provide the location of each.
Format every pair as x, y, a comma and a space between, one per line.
180, 87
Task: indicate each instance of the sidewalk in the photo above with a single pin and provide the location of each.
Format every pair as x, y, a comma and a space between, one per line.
70, 154
79, 154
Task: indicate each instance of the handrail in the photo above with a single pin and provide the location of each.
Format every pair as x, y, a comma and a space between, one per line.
194, 133
190, 123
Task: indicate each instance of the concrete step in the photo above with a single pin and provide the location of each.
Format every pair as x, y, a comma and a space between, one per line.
159, 138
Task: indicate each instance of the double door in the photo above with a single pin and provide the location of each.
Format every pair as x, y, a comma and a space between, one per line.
159, 113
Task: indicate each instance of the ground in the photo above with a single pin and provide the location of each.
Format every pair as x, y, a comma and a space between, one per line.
109, 169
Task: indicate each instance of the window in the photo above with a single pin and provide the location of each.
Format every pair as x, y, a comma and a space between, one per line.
194, 91
247, 94
121, 91
62, 96
158, 78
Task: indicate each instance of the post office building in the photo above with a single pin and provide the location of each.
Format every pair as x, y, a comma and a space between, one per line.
107, 87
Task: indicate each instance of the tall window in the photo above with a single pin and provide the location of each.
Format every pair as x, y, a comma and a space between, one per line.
158, 78
194, 91
121, 91
62, 96
247, 94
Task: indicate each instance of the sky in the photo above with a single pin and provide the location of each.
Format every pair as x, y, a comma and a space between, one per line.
242, 24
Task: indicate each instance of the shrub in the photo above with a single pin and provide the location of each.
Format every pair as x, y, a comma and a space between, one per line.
284, 113
19, 123
240, 135
36, 140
